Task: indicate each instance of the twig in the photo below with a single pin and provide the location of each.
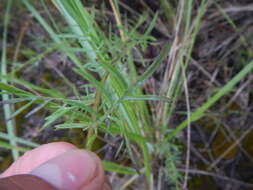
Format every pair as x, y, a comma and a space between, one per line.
233, 9
20, 39
118, 21
205, 72
131, 180
225, 178
230, 148
188, 152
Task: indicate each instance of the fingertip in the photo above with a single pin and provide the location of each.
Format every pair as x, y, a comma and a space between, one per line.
33, 158
97, 183
95, 177
69, 171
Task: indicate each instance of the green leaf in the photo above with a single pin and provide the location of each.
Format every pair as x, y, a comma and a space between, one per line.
82, 125
112, 167
19, 140
56, 115
11, 147
13, 90
146, 98
21, 109
200, 112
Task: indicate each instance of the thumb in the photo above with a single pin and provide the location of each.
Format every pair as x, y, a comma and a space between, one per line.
73, 170
24, 181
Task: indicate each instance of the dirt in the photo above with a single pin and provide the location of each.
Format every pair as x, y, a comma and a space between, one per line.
220, 52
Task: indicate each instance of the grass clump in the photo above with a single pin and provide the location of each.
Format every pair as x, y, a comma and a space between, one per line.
103, 93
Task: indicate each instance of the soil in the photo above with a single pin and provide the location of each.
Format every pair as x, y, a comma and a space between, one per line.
221, 50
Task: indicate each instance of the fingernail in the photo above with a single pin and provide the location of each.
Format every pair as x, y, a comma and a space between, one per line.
68, 171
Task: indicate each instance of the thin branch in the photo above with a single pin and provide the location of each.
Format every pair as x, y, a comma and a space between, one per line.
225, 178
118, 21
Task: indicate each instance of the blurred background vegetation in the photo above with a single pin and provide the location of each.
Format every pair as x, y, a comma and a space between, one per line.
161, 90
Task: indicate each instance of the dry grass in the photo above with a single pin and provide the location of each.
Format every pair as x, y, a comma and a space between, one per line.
214, 152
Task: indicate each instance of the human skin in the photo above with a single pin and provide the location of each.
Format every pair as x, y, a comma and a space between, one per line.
63, 165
